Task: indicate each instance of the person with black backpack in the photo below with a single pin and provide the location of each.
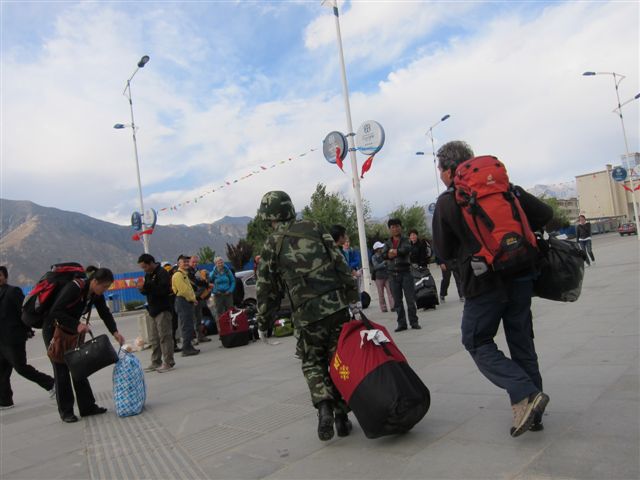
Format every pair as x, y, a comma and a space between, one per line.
13, 338
487, 225
74, 300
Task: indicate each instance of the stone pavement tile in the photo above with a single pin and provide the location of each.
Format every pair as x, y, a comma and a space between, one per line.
67, 441
571, 398
235, 465
441, 373
583, 375
473, 383
626, 388
69, 466
617, 419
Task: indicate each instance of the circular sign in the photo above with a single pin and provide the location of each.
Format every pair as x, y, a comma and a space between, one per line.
136, 221
370, 138
431, 208
333, 141
150, 218
619, 174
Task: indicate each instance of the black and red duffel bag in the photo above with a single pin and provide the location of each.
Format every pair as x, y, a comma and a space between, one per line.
385, 394
234, 328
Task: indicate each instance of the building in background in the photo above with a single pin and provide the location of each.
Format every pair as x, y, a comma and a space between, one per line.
570, 207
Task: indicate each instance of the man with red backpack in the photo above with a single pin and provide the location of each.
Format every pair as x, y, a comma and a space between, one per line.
487, 224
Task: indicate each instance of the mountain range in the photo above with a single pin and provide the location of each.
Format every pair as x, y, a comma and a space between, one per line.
33, 237
561, 191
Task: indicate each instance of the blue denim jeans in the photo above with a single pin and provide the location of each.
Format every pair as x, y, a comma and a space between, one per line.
520, 374
585, 245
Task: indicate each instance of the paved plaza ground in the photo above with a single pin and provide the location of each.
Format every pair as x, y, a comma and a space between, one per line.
245, 413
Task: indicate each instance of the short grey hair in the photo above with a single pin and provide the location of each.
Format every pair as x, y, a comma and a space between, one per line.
452, 154
215, 260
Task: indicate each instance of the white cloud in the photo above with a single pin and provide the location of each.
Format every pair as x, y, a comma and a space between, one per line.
513, 88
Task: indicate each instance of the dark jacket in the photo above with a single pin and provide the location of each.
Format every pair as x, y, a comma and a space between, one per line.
157, 288
420, 253
583, 231
453, 239
71, 303
400, 263
12, 330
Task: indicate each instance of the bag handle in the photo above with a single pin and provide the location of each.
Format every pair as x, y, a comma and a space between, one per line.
369, 326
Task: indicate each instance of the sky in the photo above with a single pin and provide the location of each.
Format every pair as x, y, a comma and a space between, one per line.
233, 86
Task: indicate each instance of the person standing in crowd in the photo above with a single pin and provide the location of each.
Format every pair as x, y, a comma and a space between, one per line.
381, 275
175, 332
224, 283
583, 235
302, 258
448, 268
157, 288
420, 253
74, 300
201, 289
396, 250
184, 305
13, 341
492, 298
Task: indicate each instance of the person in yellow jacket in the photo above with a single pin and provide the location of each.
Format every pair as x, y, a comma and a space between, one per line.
185, 300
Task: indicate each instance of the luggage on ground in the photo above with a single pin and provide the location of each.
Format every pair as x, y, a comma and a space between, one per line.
374, 378
283, 327
425, 288
365, 299
561, 270
129, 388
36, 305
89, 357
234, 328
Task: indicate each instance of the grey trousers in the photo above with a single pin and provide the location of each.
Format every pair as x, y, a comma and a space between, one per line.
161, 338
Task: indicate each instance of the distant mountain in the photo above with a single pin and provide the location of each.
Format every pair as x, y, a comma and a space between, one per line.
33, 237
560, 190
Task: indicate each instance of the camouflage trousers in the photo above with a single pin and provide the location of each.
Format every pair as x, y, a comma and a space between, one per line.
318, 341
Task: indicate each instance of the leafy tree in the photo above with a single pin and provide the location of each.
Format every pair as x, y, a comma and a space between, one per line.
239, 254
257, 232
206, 254
412, 217
333, 208
560, 219
376, 232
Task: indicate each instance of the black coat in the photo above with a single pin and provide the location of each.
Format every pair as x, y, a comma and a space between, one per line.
157, 288
12, 330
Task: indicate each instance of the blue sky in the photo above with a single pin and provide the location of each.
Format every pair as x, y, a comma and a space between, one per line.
232, 85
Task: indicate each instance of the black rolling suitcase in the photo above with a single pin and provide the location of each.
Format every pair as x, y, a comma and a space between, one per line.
426, 291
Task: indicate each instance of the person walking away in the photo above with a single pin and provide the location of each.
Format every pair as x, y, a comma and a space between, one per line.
491, 296
396, 250
184, 305
13, 341
157, 289
583, 235
447, 269
302, 258
201, 289
224, 283
74, 300
381, 277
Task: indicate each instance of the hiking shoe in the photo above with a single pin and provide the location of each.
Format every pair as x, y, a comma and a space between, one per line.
325, 421
93, 410
189, 352
400, 329
525, 410
151, 368
164, 368
69, 418
537, 425
343, 424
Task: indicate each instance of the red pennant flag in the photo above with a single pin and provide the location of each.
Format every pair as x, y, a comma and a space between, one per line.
138, 236
366, 166
338, 159
637, 188
627, 188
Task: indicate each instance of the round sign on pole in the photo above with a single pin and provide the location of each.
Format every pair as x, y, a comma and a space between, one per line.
150, 218
136, 221
330, 143
619, 174
370, 138
432, 208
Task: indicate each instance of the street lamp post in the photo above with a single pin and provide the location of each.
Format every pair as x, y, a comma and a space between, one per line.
617, 79
127, 92
352, 152
433, 149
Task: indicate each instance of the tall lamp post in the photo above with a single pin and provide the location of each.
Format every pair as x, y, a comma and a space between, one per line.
433, 149
127, 92
617, 79
352, 152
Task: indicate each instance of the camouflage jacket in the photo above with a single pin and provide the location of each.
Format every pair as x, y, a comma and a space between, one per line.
301, 260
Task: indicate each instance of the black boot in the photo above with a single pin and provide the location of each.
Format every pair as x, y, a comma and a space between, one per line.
325, 421
343, 424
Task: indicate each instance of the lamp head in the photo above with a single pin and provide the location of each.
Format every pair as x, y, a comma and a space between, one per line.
636, 97
419, 153
444, 118
589, 74
143, 61
119, 126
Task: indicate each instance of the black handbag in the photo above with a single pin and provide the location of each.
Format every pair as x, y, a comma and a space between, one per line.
561, 270
89, 357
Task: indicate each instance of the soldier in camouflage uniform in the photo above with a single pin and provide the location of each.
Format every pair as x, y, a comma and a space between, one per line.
300, 258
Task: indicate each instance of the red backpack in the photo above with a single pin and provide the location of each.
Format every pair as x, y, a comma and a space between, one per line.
37, 304
495, 217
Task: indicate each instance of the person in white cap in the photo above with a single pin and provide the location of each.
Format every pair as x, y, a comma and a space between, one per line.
381, 276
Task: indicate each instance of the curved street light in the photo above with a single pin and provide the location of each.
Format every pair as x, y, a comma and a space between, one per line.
617, 79
433, 149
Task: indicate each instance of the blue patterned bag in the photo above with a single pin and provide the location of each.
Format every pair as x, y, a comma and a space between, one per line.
129, 389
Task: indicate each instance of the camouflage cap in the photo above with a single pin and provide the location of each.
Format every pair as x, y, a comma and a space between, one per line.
277, 206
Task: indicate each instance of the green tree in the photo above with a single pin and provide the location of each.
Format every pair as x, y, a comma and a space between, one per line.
412, 217
559, 219
376, 232
257, 232
206, 254
333, 208
239, 254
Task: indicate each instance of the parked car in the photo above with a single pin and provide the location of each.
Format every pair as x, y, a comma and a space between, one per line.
248, 280
627, 229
